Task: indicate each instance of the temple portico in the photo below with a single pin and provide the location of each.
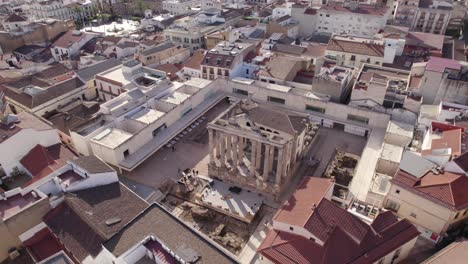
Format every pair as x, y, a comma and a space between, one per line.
256, 147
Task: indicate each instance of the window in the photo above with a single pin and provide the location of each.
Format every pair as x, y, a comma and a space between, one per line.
456, 216
397, 191
126, 153
291, 228
315, 109
359, 119
353, 58
276, 100
247, 71
159, 129
392, 205
240, 91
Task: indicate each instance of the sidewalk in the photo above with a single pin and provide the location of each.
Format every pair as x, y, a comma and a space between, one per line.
249, 252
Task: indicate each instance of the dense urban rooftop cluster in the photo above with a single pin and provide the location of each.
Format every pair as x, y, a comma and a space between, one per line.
233, 131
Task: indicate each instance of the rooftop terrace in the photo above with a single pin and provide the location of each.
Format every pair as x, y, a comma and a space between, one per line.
14, 204
112, 137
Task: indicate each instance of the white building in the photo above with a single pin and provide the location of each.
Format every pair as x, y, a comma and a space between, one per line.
180, 7
19, 135
352, 52
190, 31
351, 18
433, 16
69, 44
15, 22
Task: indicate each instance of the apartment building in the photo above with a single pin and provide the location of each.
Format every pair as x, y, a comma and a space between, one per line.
225, 60
388, 87
190, 31
69, 44
433, 16
162, 54
353, 52
180, 7
418, 194
15, 22
351, 18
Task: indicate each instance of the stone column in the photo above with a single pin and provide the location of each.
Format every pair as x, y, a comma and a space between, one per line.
228, 144
211, 144
222, 143
234, 152
266, 160
240, 152
259, 156
272, 158
280, 166
217, 145
253, 157
287, 153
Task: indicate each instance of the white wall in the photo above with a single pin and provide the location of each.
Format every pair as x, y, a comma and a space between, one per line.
14, 148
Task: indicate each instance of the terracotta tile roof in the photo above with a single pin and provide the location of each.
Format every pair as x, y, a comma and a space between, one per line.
282, 247
370, 49
282, 68
95, 206
299, 207
445, 188
43, 244
170, 69
338, 229
37, 160
449, 139
67, 39
41, 161
328, 215
427, 40
440, 64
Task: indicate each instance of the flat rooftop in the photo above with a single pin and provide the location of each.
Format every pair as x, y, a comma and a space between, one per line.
15, 204
112, 137
392, 153
399, 128
245, 204
147, 115
115, 74
175, 98
69, 177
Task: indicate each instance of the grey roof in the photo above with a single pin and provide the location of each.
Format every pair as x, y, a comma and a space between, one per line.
291, 49
135, 94
277, 120
88, 73
415, 165
92, 164
257, 33
158, 48
170, 231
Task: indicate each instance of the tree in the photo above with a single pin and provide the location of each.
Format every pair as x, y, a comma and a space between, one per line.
141, 6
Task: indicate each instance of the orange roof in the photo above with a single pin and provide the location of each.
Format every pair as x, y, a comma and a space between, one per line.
299, 208
449, 139
195, 61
